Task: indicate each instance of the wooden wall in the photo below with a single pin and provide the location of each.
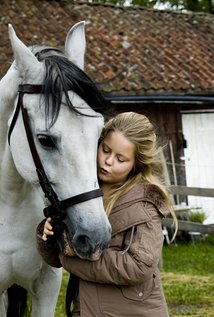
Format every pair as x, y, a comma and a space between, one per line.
167, 119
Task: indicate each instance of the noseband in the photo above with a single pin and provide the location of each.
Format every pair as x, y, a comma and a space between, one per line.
57, 207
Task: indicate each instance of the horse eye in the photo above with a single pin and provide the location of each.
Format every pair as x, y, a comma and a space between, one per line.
46, 141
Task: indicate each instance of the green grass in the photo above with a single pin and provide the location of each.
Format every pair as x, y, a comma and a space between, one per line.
188, 279
60, 308
187, 276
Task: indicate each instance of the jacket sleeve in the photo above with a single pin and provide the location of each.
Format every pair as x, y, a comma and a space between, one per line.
135, 264
47, 249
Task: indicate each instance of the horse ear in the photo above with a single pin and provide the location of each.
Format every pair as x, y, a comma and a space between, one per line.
25, 61
75, 44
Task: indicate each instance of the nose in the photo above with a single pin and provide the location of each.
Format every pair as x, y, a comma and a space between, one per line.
109, 160
86, 245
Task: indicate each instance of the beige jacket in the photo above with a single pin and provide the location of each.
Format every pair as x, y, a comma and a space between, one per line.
125, 281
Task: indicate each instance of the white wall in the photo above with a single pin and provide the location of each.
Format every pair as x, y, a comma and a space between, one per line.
198, 129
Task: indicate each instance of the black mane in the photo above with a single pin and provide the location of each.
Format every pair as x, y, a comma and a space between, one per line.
62, 75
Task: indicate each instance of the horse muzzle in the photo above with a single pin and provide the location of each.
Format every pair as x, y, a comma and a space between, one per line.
82, 243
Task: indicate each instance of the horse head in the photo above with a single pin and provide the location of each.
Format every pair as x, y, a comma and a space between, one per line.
65, 121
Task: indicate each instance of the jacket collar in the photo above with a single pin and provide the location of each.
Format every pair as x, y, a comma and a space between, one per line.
143, 192
122, 216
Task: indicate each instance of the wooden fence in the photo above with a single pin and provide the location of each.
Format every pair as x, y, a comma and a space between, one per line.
188, 226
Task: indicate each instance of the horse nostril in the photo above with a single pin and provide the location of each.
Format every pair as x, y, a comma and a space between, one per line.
83, 244
88, 245
83, 240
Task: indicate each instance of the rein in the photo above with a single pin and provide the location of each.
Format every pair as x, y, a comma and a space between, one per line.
56, 208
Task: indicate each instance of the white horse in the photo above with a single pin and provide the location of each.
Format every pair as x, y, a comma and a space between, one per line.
61, 108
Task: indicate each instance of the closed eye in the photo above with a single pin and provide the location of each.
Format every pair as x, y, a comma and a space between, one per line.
121, 160
46, 141
105, 149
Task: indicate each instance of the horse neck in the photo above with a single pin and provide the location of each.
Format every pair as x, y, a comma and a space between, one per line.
12, 186
8, 93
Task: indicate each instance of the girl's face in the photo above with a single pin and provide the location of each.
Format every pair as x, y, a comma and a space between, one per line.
116, 158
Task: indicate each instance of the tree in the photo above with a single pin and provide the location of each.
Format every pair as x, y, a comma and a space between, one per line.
189, 5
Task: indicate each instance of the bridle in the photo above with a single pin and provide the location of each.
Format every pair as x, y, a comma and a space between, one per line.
56, 209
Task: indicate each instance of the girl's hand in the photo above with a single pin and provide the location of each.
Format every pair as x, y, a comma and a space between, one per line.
48, 230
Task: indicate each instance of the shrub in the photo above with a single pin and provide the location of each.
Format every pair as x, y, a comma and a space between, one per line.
197, 215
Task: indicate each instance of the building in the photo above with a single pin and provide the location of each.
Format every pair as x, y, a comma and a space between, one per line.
159, 63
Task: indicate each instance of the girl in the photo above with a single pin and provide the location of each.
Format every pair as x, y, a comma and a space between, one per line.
125, 281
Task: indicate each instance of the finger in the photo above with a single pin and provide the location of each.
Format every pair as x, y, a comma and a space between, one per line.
48, 225
44, 237
49, 220
48, 232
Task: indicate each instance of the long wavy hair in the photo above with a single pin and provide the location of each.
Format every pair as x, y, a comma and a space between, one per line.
148, 168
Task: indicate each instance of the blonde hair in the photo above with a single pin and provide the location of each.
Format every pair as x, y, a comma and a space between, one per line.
148, 168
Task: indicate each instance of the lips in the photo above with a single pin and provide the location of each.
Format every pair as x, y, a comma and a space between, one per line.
104, 171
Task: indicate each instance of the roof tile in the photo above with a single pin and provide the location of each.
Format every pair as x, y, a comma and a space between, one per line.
130, 50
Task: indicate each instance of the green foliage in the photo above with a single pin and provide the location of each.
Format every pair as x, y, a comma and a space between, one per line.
197, 215
145, 3
189, 5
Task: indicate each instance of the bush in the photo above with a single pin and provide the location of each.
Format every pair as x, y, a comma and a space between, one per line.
197, 216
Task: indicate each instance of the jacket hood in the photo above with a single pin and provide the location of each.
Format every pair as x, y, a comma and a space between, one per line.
144, 192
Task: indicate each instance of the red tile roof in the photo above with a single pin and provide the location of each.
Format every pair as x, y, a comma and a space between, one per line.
130, 51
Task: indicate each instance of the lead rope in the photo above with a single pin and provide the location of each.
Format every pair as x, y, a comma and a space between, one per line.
71, 293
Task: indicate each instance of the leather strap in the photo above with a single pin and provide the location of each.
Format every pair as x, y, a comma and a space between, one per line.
56, 209
71, 293
31, 89
43, 179
26, 88
48, 211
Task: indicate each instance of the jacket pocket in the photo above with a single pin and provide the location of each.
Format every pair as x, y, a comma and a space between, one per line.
139, 292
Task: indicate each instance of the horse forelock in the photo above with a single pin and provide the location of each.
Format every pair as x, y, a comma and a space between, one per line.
61, 75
